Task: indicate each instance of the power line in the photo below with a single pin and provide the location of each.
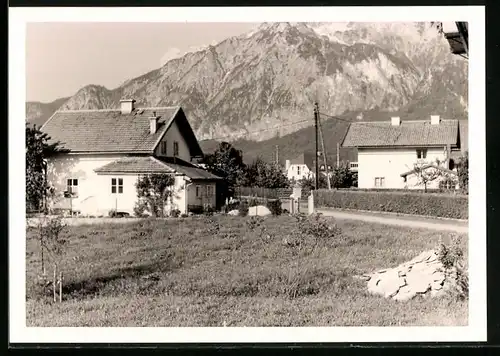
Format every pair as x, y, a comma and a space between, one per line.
288, 125
257, 131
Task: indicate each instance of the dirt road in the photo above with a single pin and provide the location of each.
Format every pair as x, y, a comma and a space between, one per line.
416, 222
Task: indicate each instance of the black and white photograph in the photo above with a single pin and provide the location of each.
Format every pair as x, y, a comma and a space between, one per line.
250, 174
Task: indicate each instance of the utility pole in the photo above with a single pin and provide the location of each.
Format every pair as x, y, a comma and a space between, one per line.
324, 153
277, 154
316, 113
338, 154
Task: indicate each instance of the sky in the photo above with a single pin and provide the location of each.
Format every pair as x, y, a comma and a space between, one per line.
62, 57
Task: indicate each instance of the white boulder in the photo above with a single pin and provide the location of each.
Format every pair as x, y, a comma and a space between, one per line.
259, 210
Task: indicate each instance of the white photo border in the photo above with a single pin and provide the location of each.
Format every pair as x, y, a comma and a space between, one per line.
475, 331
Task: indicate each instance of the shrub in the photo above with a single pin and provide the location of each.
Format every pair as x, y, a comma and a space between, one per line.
254, 222
441, 205
275, 207
184, 215
243, 208
452, 258
140, 208
463, 172
209, 211
175, 213
153, 190
52, 235
112, 213
317, 227
312, 232
195, 209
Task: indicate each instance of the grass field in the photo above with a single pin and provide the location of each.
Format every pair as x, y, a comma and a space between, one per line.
185, 272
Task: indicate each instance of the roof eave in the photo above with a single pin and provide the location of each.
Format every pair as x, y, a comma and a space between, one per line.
438, 145
138, 172
135, 152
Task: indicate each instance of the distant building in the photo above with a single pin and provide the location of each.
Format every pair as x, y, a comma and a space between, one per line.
300, 167
388, 151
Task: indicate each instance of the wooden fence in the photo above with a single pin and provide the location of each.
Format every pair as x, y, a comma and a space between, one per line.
268, 193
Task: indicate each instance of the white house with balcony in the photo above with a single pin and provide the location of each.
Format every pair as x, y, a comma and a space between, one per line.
389, 150
106, 151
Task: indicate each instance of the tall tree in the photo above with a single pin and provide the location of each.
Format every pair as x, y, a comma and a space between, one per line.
427, 173
153, 192
266, 175
463, 172
37, 150
342, 176
227, 162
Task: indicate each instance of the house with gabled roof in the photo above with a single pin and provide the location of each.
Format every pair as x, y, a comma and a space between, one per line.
388, 151
302, 166
106, 151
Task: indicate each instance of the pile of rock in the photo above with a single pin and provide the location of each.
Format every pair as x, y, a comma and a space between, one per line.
424, 275
259, 210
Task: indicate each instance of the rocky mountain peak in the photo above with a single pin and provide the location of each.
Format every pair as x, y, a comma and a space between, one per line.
271, 76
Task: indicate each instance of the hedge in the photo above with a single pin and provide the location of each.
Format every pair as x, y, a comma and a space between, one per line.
408, 191
438, 205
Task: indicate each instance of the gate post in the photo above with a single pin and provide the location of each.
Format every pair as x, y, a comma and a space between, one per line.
310, 203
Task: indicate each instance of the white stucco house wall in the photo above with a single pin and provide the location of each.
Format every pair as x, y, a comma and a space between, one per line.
106, 151
389, 150
300, 167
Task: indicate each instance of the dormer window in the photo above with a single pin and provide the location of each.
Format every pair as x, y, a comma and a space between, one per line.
163, 148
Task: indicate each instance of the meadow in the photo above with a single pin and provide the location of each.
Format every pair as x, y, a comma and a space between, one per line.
232, 271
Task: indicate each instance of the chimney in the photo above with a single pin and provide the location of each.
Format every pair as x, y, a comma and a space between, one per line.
127, 106
153, 123
395, 121
287, 164
435, 119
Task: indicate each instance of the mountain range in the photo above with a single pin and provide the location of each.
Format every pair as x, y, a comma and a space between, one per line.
261, 86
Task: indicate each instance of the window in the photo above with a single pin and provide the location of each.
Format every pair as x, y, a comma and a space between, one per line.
298, 170
176, 148
421, 153
116, 185
163, 147
72, 187
198, 191
210, 190
379, 182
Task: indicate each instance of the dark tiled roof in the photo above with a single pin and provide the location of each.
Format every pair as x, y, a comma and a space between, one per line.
146, 164
107, 130
409, 133
92, 131
150, 164
306, 158
186, 168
